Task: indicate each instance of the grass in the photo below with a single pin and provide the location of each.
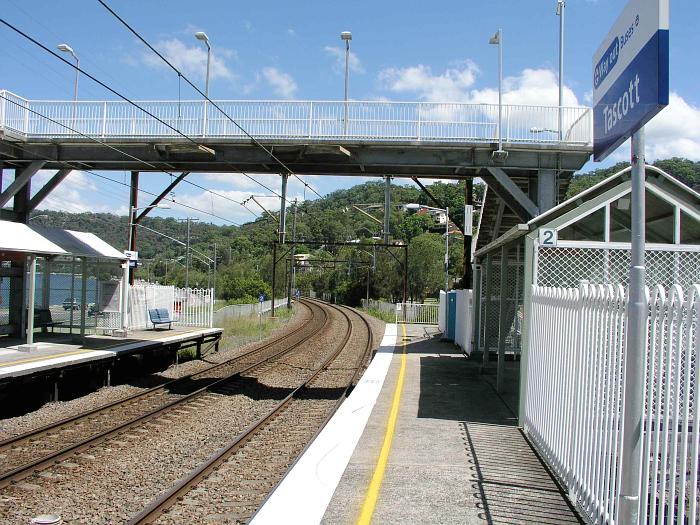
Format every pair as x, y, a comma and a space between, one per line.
387, 317
239, 331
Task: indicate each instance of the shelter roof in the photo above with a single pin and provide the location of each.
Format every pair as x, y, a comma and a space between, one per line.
654, 175
41, 240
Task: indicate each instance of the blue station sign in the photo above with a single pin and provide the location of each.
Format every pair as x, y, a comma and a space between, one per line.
630, 74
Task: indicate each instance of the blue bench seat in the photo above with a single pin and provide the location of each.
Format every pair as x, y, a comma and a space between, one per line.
160, 316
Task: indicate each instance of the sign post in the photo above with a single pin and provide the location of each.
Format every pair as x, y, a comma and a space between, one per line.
630, 86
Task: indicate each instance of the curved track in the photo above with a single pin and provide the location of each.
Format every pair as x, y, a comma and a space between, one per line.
31, 452
251, 465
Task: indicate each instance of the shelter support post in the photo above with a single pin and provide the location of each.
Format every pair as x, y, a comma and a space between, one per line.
476, 302
487, 307
45, 282
405, 274
31, 261
83, 295
546, 190
72, 292
502, 324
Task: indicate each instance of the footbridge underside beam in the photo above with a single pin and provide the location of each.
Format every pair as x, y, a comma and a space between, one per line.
451, 161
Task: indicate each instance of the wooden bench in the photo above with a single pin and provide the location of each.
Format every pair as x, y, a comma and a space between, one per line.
160, 316
43, 319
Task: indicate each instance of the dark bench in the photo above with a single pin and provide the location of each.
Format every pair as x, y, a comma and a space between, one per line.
160, 316
43, 319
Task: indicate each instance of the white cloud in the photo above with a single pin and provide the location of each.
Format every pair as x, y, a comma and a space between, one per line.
192, 60
291, 32
339, 55
531, 87
450, 86
76, 194
674, 132
281, 83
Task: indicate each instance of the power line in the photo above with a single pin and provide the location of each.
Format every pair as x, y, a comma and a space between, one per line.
181, 75
126, 99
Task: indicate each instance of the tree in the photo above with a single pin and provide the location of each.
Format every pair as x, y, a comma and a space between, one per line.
426, 271
414, 225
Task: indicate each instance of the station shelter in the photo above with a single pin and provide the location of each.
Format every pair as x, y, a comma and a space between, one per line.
584, 239
57, 282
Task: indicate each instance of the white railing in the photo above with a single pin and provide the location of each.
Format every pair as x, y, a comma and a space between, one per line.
187, 306
417, 313
573, 406
294, 120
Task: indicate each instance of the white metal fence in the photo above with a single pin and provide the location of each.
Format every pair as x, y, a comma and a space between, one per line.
417, 313
574, 397
382, 306
187, 306
235, 311
374, 120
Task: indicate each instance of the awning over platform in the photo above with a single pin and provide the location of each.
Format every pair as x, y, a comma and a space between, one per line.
18, 237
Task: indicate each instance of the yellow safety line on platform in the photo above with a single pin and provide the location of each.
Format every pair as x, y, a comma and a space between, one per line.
44, 358
375, 484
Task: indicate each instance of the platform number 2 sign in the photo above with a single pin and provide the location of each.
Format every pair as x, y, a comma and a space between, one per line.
548, 237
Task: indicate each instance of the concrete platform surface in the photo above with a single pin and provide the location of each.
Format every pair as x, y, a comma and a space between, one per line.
54, 351
457, 455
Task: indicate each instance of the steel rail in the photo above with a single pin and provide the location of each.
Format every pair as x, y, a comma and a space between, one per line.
163, 502
28, 469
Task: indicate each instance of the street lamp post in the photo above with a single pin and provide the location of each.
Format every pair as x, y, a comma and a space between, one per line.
561, 4
346, 36
201, 35
67, 49
497, 39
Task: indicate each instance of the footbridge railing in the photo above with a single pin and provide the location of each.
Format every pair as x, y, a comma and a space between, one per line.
294, 120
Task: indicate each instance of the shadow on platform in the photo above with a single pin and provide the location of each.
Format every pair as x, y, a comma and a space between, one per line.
507, 480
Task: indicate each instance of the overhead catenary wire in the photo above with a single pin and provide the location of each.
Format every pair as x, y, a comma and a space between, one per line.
214, 104
113, 91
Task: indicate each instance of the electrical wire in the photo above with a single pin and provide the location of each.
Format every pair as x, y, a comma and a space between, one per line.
183, 77
128, 100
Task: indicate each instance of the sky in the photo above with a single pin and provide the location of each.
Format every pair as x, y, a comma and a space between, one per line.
401, 50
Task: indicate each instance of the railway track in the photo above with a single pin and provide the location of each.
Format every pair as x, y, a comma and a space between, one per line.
232, 483
29, 453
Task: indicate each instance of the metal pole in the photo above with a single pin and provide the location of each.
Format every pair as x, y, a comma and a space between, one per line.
561, 4
125, 278
187, 257
468, 215
347, 74
32, 294
206, 92
274, 277
502, 312
292, 267
387, 207
283, 209
214, 270
405, 274
83, 295
636, 347
77, 76
447, 248
500, 89
487, 308
72, 294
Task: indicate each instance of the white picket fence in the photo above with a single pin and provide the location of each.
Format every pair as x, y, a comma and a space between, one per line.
574, 396
187, 306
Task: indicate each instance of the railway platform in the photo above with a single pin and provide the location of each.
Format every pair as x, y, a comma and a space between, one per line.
423, 438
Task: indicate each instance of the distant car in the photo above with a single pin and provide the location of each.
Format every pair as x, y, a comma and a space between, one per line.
71, 303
